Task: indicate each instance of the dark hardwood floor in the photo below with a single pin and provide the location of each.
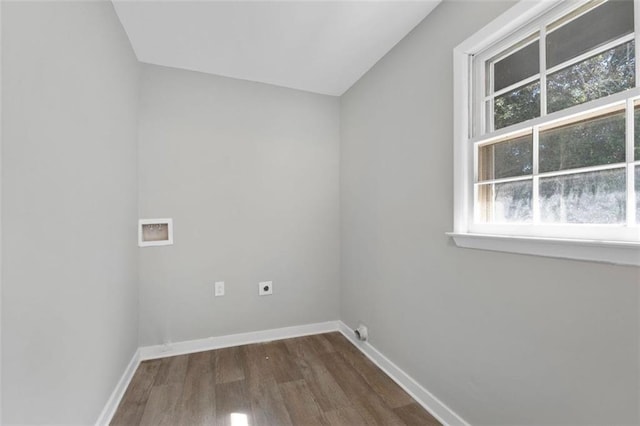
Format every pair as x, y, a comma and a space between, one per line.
313, 380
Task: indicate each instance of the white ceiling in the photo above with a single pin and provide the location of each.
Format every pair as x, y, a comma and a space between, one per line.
318, 46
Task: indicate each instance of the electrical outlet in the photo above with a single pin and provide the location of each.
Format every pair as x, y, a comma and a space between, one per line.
265, 288
219, 288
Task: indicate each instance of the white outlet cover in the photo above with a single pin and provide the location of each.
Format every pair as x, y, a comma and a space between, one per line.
265, 288
219, 288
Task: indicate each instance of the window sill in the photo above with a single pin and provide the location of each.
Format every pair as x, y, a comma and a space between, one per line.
619, 253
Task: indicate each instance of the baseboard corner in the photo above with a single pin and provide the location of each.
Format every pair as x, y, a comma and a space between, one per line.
430, 402
218, 342
425, 398
116, 396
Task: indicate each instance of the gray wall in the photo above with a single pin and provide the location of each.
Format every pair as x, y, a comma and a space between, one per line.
69, 296
249, 173
501, 339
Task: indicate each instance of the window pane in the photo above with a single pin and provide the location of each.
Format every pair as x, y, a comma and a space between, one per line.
505, 202
637, 184
517, 106
609, 72
591, 142
637, 132
601, 25
521, 64
506, 159
594, 197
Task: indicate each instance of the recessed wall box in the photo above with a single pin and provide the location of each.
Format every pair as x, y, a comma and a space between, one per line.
155, 232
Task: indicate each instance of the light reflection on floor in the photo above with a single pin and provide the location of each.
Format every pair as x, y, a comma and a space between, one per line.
239, 419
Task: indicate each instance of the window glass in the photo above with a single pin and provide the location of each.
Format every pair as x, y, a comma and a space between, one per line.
579, 171
637, 183
594, 197
506, 159
636, 136
591, 142
518, 105
609, 72
516, 67
600, 25
505, 202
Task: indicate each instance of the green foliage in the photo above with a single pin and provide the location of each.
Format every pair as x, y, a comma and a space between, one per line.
507, 159
517, 106
586, 143
609, 72
594, 197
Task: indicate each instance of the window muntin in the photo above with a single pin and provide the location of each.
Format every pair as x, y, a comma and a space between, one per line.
585, 157
505, 202
569, 171
579, 58
504, 191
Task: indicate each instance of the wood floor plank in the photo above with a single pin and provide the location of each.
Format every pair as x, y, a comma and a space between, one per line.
307, 350
134, 400
233, 405
229, 365
172, 370
267, 404
300, 347
325, 388
414, 415
369, 405
382, 384
198, 403
312, 380
344, 416
321, 343
166, 392
340, 343
258, 367
285, 368
308, 346
301, 404
161, 406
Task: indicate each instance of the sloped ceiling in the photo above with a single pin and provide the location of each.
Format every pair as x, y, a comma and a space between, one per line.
317, 46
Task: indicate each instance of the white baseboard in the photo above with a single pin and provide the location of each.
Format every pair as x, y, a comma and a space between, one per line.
425, 398
114, 400
210, 343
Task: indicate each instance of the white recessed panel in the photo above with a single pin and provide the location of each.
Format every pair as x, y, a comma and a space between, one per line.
155, 232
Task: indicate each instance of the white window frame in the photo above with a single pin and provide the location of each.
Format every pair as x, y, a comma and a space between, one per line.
589, 242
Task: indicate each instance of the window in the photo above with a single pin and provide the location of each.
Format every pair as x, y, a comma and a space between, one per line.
548, 125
